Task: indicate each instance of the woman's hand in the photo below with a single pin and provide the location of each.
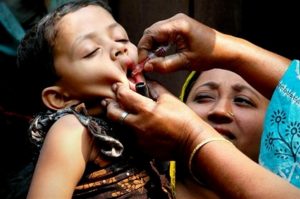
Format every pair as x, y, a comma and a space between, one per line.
165, 128
195, 44
199, 47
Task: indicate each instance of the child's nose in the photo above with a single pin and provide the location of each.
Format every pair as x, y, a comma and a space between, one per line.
118, 51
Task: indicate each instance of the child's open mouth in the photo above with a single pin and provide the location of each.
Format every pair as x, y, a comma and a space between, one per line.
134, 79
134, 72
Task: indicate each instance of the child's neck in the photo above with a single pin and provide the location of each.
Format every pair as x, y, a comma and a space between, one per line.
94, 108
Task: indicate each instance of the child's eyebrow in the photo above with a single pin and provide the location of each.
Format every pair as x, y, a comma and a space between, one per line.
81, 38
113, 25
91, 34
117, 26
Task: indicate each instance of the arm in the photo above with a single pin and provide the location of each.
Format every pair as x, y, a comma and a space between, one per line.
199, 47
62, 160
169, 124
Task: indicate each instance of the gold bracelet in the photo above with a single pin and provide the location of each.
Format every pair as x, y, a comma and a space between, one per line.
197, 148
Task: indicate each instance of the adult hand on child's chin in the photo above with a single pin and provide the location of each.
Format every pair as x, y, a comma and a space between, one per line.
166, 123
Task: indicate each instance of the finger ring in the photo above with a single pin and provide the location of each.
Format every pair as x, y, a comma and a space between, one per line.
123, 116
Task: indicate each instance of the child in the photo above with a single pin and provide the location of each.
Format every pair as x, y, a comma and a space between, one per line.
71, 58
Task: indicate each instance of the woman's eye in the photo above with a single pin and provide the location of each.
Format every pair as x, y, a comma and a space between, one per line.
244, 101
203, 98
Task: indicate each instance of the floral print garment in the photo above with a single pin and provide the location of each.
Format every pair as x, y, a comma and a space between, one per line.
280, 145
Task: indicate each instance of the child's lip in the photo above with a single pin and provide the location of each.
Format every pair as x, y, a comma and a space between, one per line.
130, 65
127, 62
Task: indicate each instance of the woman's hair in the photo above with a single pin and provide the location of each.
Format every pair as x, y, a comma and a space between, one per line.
35, 53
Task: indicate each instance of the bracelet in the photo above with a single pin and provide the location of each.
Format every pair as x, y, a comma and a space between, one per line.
197, 148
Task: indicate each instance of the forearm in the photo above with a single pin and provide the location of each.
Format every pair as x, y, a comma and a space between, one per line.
260, 67
232, 174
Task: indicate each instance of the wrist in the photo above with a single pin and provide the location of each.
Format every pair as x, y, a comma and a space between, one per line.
197, 134
200, 136
196, 150
228, 51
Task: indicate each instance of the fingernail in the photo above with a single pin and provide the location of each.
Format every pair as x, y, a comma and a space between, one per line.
104, 103
114, 87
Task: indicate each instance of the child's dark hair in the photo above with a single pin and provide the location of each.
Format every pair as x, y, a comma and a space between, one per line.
35, 53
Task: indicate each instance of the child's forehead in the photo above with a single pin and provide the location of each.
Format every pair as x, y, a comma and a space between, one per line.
86, 18
89, 14
83, 24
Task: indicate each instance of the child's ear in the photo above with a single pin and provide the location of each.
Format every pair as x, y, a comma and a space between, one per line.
55, 98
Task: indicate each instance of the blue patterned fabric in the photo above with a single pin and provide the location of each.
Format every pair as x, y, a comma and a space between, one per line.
280, 146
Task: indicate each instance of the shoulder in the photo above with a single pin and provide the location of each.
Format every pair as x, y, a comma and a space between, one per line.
67, 126
68, 135
63, 157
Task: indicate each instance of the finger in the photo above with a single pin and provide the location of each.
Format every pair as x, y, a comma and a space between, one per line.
117, 114
156, 35
130, 100
113, 109
165, 32
170, 63
161, 33
156, 90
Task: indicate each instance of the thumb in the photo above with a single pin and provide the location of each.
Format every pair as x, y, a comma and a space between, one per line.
156, 90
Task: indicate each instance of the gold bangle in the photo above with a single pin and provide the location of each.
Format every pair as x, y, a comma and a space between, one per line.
197, 148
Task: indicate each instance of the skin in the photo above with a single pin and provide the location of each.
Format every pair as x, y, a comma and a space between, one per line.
197, 43
86, 40
216, 93
90, 55
178, 130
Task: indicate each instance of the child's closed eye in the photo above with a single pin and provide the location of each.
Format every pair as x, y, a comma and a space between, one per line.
125, 40
91, 53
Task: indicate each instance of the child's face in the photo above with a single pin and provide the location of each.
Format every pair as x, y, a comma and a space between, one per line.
218, 92
91, 53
